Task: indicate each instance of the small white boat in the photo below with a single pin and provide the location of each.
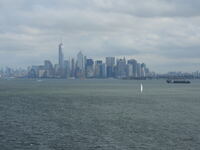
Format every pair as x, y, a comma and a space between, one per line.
141, 88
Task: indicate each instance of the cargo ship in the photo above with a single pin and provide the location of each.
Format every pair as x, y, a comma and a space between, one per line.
179, 81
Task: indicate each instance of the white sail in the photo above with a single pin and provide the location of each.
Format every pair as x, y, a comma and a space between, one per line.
141, 88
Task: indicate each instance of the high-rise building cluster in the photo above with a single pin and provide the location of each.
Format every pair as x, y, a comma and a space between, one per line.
8, 72
83, 67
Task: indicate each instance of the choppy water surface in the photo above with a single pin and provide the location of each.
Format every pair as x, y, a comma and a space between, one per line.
99, 114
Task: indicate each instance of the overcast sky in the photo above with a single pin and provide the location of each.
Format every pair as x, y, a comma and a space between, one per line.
165, 34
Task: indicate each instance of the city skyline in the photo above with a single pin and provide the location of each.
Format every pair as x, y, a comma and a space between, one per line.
61, 58
165, 34
83, 67
54, 60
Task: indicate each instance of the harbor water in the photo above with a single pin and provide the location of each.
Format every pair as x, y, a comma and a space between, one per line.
99, 114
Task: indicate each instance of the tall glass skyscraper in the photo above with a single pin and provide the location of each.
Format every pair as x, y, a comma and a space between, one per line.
110, 63
133, 62
61, 56
80, 61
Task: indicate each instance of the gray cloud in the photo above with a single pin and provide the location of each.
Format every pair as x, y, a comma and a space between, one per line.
158, 32
153, 8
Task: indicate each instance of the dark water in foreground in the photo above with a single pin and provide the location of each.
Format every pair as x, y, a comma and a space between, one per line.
99, 114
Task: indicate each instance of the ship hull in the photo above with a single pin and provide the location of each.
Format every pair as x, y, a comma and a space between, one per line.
178, 81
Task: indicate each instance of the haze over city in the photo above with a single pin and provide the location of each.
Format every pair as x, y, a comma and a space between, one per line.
162, 33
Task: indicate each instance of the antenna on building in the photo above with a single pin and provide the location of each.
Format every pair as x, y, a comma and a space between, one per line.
61, 40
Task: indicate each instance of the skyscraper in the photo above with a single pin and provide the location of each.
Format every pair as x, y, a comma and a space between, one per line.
98, 68
143, 68
133, 62
80, 61
130, 71
110, 63
66, 73
60, 56
104, 70
121, 68
72, 68
89, 68
49, 68
80, 66
139, 70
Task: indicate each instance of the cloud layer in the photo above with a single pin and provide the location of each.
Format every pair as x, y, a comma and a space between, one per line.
165, 34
